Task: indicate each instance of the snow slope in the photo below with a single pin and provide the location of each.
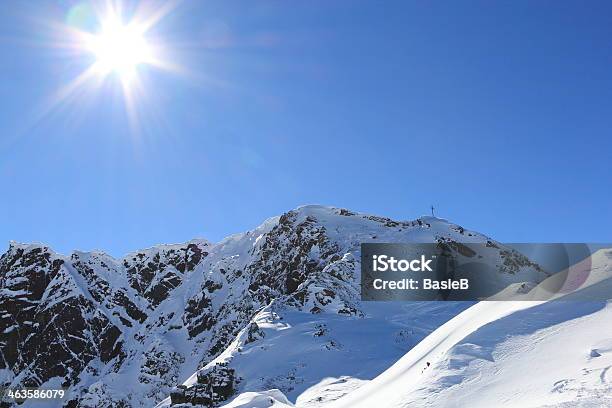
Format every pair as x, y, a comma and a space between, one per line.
514, 353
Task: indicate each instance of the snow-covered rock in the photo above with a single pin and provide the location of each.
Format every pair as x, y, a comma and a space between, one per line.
274, 308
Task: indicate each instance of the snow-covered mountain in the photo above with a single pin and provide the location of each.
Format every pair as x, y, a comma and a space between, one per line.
270, 316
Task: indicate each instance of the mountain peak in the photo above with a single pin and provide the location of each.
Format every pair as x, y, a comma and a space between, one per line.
156, 316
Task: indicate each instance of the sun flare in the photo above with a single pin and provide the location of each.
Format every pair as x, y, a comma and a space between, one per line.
116, 42
120, 49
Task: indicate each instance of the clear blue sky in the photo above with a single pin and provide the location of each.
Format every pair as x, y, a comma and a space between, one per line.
498, 113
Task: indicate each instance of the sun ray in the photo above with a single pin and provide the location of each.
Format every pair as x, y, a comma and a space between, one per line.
157, 15
87, 79
116, 48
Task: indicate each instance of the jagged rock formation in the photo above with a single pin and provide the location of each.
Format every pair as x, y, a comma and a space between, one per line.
127, 332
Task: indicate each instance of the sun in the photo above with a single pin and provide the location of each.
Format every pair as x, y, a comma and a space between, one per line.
120, 48
117, 42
